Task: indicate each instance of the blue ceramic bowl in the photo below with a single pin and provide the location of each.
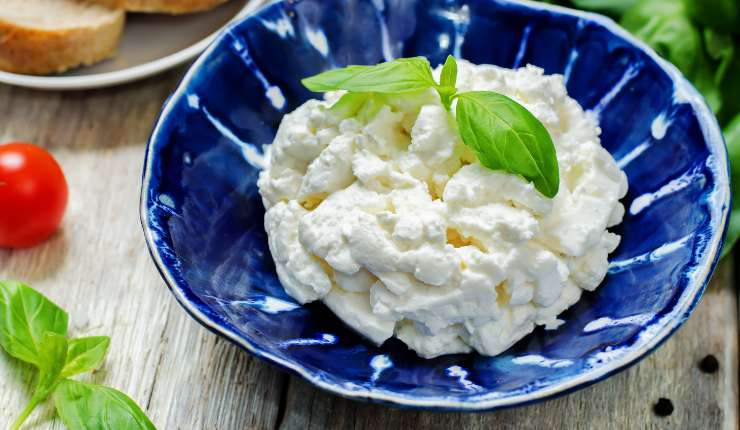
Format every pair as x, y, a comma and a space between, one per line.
203, 217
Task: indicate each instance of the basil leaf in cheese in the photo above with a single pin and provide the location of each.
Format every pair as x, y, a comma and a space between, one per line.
448, 78
397, 76
447, 81
349, 104
505, 136
363, 106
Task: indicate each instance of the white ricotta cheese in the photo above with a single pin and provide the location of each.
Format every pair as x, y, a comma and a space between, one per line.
400, 231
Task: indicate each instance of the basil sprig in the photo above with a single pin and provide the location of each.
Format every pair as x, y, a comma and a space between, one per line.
506, 136
33, 329
503, 134
398, 76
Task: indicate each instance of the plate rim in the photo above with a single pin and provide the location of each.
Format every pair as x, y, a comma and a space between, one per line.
674, 319
129, 74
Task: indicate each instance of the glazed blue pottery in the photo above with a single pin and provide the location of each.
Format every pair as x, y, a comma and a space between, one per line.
203, 217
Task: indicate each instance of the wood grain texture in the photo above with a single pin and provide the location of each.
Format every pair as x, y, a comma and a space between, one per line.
98, 268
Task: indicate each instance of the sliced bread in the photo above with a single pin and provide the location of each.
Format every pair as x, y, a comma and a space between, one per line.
163, 6
113, 4
51, 36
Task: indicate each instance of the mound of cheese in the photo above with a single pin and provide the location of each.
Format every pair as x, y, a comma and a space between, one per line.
399, 230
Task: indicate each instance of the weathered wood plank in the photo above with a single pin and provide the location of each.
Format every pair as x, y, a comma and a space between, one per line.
99, 270
625, 401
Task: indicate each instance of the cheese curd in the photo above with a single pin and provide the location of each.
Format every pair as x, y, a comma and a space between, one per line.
395, 225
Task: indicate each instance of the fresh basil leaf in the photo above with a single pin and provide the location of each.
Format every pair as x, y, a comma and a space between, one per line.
723, 15
85, 354
665, 25
506, 136
732, 138
721, 48
363, 106
53, 349
52, 352
349, 104
372, 106
614, 7
25, 315
447, 81
448, 77
397, 76
94, 407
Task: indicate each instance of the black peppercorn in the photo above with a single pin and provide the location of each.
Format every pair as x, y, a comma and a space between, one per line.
709, 364
663, 408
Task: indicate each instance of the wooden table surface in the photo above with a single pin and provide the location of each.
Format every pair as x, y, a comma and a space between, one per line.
98, 269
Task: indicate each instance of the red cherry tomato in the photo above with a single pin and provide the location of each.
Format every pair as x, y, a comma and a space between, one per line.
33, 195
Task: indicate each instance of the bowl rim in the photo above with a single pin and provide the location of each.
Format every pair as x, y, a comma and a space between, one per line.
666, 326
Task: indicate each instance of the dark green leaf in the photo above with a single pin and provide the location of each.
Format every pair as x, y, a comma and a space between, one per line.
724, 15
733, 232
704, 79
617, 7
25, 315
94, 407
732, 137
85, 354
397, 76
731, 87
665, 25
721, 48
506, 136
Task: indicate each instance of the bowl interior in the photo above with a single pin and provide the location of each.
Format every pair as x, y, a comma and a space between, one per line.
204, 218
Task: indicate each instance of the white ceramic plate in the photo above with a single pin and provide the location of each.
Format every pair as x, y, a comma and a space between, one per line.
151, 44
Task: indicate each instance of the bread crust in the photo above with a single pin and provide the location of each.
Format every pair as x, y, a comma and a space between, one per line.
111, 4
42, 51
174, 7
